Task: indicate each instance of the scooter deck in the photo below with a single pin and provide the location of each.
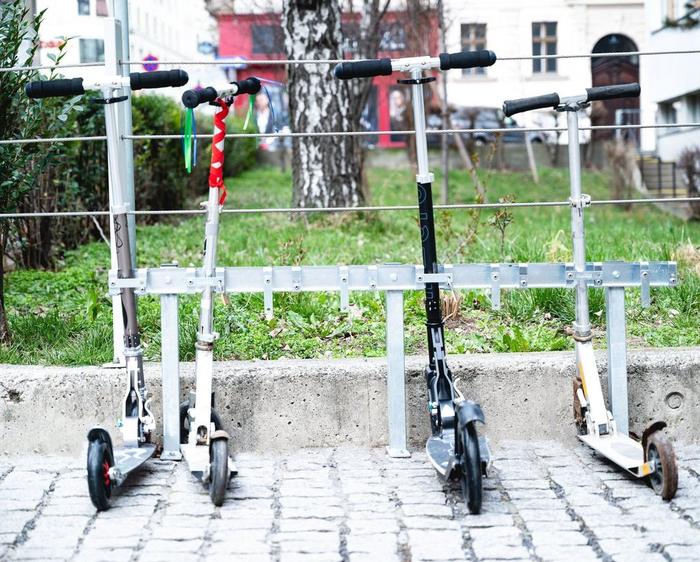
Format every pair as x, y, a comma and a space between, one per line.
127, 459
197, 459
440, 450
620, 449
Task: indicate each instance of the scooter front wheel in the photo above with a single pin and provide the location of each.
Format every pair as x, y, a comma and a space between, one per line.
219, 473
99, 461
664, 479
185, 422
471, 468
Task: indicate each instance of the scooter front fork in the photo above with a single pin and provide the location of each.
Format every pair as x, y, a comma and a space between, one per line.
137, 421
201, 425
438, 378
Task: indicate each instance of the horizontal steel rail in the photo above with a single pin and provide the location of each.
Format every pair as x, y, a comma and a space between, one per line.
224, 62
361, 133
49, 66
257, 210
170, 279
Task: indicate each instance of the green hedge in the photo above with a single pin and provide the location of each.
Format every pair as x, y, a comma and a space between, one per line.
77, 178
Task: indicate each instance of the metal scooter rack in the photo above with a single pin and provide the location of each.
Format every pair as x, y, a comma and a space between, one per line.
170, 281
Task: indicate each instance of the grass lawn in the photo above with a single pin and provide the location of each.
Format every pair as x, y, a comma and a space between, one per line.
64, 317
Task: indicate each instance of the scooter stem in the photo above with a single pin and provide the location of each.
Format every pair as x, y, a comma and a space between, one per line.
424, 175
582, 325
424, 179
205, 333
204, 358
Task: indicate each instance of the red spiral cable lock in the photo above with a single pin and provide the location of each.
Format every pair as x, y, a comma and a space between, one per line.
216, 169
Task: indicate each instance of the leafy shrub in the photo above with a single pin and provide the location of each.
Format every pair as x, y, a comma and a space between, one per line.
20, 165
77, 179
159, 174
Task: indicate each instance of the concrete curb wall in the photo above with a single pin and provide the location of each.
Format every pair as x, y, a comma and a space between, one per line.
286, 404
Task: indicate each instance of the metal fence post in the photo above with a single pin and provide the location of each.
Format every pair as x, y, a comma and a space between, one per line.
673, 177
170, 373
113, 45
120, 11
617, 357
396, 375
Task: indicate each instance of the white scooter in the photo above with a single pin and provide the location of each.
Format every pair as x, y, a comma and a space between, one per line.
653, 456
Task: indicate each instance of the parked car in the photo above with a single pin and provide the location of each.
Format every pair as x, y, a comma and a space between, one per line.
481, 118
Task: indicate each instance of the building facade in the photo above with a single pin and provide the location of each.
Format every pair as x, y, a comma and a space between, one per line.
672, 84
511, 28
158, 30
251, 33
514, 28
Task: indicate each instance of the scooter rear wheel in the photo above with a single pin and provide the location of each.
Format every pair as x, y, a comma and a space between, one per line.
219, 473
471, 468
99, 461
664, 480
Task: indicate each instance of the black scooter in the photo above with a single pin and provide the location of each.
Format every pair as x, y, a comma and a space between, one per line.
455, 448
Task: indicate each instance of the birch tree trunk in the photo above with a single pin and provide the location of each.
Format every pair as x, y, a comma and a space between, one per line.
326, 171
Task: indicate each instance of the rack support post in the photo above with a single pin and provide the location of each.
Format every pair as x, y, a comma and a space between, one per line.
396, 375
169, 323
617, 357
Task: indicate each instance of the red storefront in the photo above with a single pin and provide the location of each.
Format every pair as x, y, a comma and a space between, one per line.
246, 37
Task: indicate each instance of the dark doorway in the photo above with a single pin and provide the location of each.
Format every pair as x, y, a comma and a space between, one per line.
615, 70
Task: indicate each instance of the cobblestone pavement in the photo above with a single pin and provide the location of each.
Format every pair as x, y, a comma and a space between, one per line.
542, 501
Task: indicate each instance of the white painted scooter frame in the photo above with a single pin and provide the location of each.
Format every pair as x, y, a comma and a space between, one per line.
196, 450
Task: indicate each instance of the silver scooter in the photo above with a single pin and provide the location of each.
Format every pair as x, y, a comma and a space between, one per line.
107, 466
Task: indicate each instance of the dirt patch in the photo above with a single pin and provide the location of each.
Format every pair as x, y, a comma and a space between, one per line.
11, 394
688, 255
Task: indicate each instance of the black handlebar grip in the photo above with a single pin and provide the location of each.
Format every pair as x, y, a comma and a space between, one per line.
467, 59
248, 86
363, 69
600, 93
193, 98
158, 79
511, 107
62, 87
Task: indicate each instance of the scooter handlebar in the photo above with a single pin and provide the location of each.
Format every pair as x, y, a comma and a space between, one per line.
467, 59
158, 79
384, 67
511, 107
62, 87
601, 93
363, 69
193, 98
249, 86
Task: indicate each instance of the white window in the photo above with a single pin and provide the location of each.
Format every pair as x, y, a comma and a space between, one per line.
693, 104
544, 42
92, 50
668, 112
101, 8
473, 39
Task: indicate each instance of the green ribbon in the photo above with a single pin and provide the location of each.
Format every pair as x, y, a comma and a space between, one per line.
189, 140
251, 108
